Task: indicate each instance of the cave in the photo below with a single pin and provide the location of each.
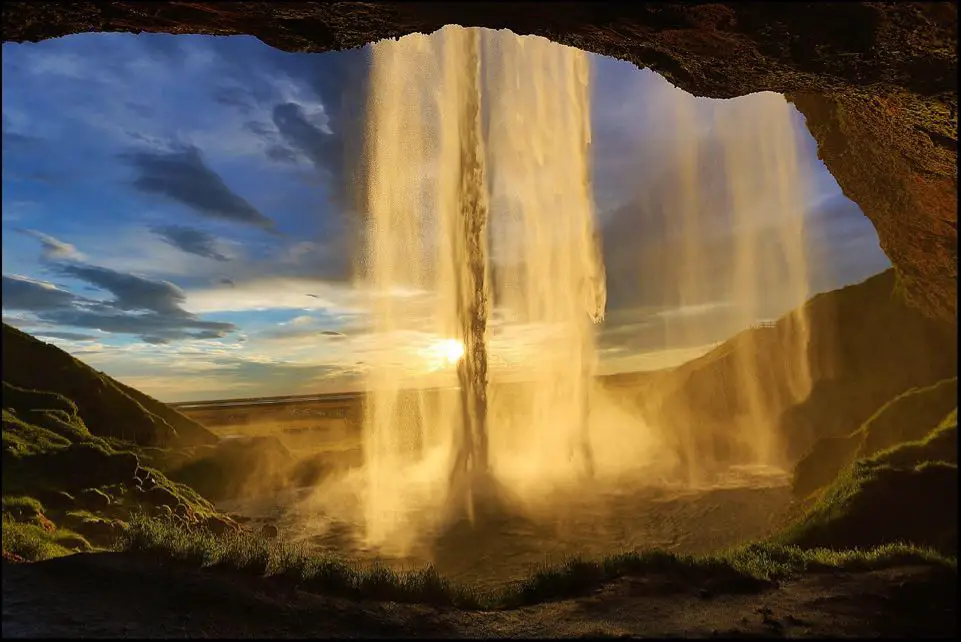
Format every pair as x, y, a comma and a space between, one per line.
877, 82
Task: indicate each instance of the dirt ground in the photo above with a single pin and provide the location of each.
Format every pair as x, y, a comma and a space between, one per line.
116, 595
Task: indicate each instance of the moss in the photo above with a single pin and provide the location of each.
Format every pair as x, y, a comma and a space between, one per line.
21, 438
909, 417
873, 502
55, 460
34, 543
941, 445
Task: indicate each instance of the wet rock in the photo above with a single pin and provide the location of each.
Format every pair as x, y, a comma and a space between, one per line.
57, 500
100, 532
13, 557
76, 543
44, 523
93, 499
160, 496
219, 525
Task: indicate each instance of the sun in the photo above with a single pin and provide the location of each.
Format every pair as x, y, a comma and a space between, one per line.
451, 350
443, 354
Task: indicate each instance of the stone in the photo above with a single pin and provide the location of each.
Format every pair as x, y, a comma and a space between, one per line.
269, 531
99, 532
57, 500
219, 525
93, 499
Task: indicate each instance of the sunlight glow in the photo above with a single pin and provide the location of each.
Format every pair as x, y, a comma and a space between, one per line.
449, 350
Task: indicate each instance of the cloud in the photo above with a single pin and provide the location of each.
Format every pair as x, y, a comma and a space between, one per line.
131, 292
53, 249
183, 175
151, 327
316, 142
307, 326
237, 97
276, 294
150, 309
22, 293
190, 240
66, 336
698, 309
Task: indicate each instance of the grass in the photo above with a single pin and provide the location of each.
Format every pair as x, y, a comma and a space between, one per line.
35, 543
873, 502
909, 417
940, 445
746, 568
47, 447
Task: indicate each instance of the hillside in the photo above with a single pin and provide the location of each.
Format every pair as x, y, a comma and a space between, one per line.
907, 418
66, 489
866, 347
108, 407
906, 493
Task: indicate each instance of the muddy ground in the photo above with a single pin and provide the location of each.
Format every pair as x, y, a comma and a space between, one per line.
118, 595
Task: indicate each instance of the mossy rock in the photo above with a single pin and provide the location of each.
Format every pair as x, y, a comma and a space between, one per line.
98, 531
94, 499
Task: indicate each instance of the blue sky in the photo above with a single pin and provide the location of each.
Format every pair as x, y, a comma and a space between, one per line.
177, 211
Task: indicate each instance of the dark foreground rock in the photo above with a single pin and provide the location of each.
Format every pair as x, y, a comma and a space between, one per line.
112, 595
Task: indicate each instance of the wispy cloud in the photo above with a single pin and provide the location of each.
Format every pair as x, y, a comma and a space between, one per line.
53, 249
184, 176
191, 240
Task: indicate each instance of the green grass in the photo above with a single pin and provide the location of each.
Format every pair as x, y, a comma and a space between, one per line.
35, 543
909, 417
21, 438
874, 502
746, 568
252, 554
941, 445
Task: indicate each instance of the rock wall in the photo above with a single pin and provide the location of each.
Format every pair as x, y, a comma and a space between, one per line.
877, 81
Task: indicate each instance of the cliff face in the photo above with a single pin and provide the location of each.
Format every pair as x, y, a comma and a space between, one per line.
866, 346
876, 81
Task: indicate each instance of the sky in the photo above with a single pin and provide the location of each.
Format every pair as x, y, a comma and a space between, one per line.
180, 212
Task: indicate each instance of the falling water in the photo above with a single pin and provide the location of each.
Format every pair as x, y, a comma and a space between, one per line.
549, 276
429, 270
740, 173
486, 279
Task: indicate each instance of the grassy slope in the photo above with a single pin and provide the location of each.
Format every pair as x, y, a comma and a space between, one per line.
107, 407
866, 347
63, 486
908, 417
905, 493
